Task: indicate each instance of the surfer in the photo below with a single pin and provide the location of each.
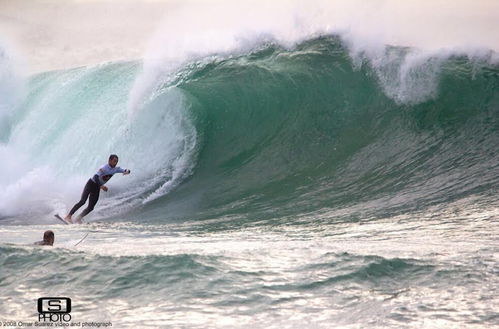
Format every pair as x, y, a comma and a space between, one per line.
48, 239
93, 187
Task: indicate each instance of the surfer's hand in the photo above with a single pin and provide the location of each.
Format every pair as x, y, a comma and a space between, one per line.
104, 188
127, 172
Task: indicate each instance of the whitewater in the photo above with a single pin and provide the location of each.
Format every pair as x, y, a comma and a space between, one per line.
289, 169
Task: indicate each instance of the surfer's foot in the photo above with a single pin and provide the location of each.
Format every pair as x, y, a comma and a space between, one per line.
78, 219
68, 219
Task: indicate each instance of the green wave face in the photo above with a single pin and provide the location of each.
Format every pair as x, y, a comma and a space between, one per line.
314, 130
308, 130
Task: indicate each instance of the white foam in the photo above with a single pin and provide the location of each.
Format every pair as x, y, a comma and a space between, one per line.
163, 141
119, 30
193, 30
11, 86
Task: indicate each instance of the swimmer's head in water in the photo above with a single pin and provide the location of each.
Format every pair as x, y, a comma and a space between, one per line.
48, 237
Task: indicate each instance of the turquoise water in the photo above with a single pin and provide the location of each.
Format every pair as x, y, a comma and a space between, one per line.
278, 188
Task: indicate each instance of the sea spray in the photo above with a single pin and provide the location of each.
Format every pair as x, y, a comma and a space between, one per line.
11, 88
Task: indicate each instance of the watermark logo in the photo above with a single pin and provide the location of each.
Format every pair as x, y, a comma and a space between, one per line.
54, 312
54, 309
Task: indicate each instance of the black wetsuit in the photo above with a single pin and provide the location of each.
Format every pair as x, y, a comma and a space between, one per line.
91, 189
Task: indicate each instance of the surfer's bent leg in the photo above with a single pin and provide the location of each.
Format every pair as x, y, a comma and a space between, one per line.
94, 197
84, 195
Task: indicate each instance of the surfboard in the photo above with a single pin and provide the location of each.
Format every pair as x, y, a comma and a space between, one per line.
61, 219
82, 239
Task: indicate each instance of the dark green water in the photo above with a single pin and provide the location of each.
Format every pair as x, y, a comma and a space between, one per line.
290, 132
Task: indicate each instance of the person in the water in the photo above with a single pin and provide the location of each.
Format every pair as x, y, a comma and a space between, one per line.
48, 239
93, 187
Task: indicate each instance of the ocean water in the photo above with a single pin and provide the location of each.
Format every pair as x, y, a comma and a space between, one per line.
304, 186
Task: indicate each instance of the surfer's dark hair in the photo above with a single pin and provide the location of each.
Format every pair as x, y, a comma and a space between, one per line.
113, 156
48, 235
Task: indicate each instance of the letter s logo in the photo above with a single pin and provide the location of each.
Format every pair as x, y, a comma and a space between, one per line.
54, 305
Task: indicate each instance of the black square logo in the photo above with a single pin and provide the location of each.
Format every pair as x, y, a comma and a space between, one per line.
54, 305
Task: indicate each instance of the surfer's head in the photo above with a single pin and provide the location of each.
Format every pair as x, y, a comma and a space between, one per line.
48, 238
113, 160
